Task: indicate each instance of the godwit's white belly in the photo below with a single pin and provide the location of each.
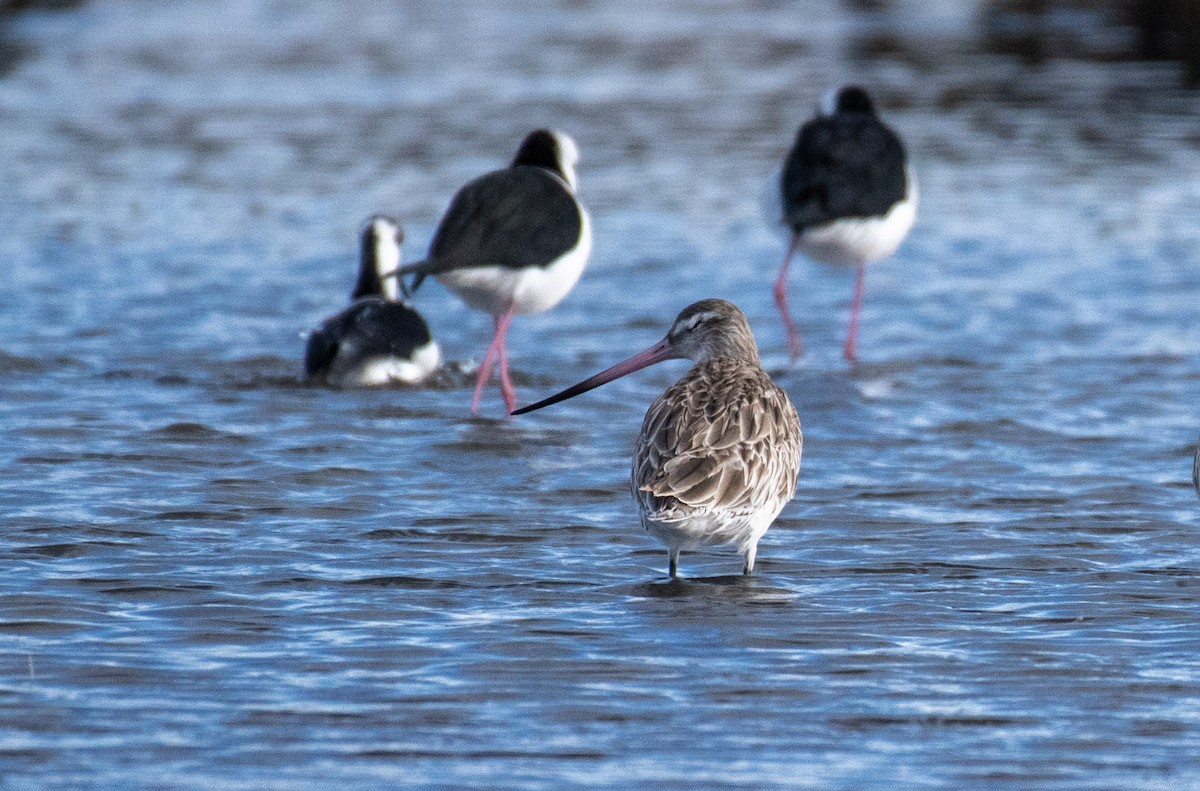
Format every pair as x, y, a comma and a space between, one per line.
742, 527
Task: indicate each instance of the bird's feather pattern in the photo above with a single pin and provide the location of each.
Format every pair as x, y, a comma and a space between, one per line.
723, 438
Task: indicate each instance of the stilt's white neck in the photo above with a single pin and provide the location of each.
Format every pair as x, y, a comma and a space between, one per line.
387, 261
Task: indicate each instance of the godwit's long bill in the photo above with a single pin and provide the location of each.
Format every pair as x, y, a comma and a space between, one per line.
513, 241
719, 451
847, 195
378, 339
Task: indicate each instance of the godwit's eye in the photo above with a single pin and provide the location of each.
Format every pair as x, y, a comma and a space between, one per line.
691, 323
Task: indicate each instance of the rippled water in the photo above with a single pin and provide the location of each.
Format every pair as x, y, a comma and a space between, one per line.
219, 577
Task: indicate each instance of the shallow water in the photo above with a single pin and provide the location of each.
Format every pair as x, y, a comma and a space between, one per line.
220, 577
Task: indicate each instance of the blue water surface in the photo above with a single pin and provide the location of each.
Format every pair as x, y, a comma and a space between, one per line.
217, 576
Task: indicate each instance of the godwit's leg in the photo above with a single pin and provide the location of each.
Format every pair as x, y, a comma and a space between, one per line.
506, 387
1196, 470
673, 562
485, 367
851, 350
795, 346
750, 553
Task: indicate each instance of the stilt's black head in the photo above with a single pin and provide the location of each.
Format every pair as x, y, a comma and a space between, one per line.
853, 99
554, 151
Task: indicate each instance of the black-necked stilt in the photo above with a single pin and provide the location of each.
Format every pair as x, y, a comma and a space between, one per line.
378, 339
719, 451
513, 241
847, 195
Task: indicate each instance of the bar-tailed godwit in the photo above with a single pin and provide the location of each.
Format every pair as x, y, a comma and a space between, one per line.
719, 451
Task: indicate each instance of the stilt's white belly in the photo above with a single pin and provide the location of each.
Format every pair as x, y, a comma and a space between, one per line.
348, 371
493, 289
861, 240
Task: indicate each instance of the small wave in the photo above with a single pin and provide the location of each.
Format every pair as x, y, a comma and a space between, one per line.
187, 431
16, 364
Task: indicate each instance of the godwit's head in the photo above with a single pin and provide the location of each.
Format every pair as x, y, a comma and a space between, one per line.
706, 330
379, 259
711, 329
550, 149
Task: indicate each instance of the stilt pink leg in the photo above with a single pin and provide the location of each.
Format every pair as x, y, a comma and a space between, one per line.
851, 350
485, 367
506, 386
795, 345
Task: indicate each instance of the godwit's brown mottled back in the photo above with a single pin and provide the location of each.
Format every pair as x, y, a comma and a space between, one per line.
719, 451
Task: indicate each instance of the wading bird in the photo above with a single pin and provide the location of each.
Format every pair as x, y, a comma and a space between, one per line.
513, 241
378, 339
847, 196
719, 451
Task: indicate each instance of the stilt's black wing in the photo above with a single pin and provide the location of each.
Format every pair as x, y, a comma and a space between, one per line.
320, 351
517, 217
371, 327
842, 166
